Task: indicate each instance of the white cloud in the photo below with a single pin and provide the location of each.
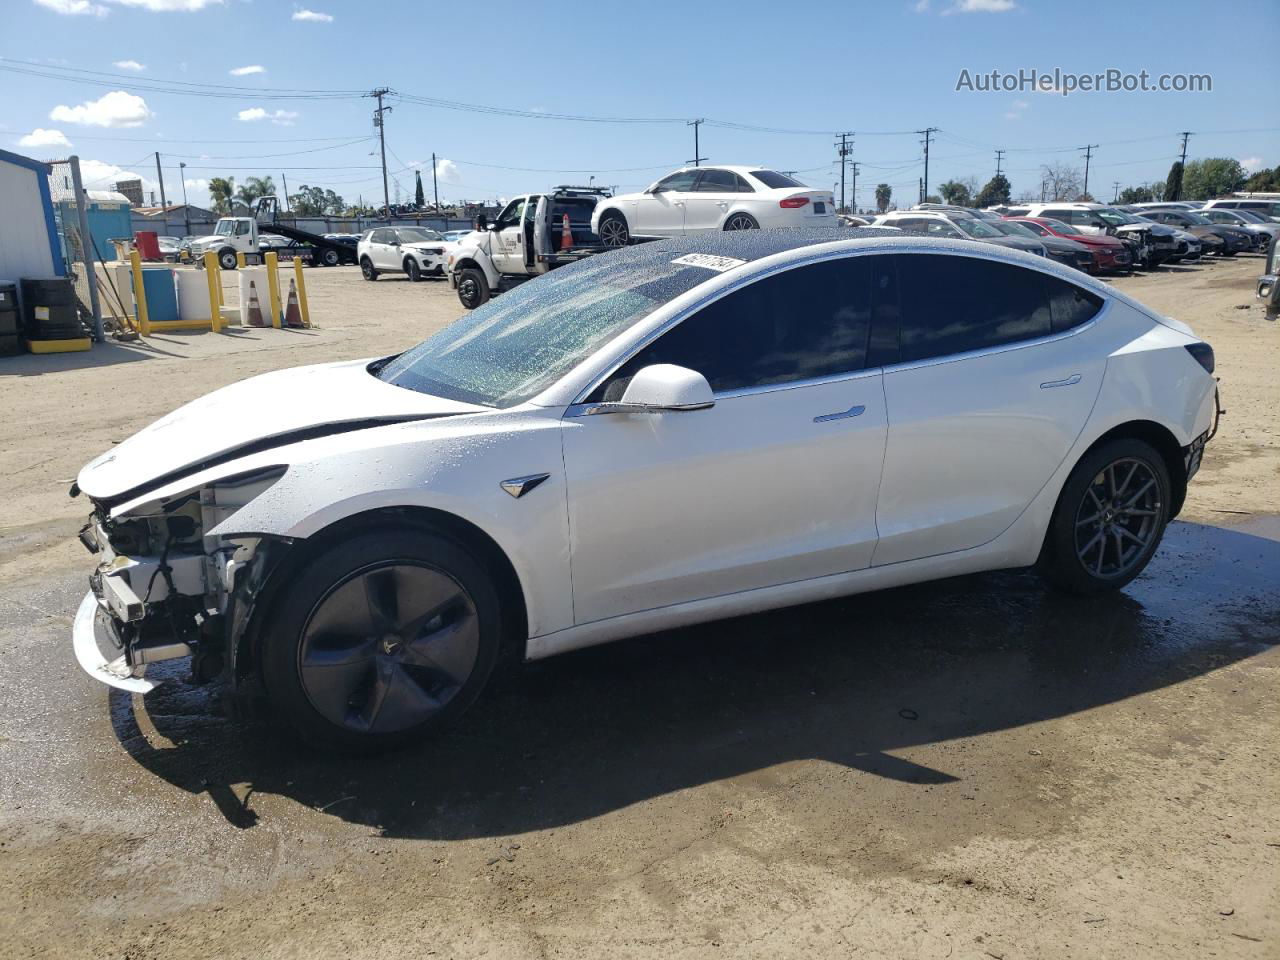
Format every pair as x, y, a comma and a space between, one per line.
982, 6
129, 65
74, 7
283, 118
40, 137
197, 191
98, 175
1251, 164
246, 71
447, 171
311, 16
115, 109
921, 6
1016, 111
169, 6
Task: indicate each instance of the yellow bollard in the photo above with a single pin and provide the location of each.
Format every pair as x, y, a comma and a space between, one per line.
214, 274
139, 294
273, 286
302, 291
240, 260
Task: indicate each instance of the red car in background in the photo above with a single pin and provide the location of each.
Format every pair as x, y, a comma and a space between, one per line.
1109, 253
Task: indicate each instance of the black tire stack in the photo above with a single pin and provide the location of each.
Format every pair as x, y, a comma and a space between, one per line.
10, 329
50, 309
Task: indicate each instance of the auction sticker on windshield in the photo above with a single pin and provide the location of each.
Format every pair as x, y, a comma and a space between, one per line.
719, 264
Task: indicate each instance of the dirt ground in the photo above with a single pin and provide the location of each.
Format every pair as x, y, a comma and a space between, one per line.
972, 768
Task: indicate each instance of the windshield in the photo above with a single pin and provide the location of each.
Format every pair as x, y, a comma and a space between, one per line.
223, 229
1014, 229
976, 228
1114, 216
1248, 216
1066, 229
417, 234
1196, 218
512, 348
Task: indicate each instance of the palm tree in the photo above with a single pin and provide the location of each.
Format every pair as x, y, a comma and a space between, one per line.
253, 188
883, 193
221, 190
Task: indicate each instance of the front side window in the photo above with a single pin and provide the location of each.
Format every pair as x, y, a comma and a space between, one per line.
417, 235
681, 182
806, 323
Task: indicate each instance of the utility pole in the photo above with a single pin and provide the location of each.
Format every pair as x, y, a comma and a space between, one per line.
999, 160
1088, 149
924, 182
285, 181
435, 187
697, 155
853, 194
1182, 165
844, 150
1116, 184
186, 210
380, 123
160, 177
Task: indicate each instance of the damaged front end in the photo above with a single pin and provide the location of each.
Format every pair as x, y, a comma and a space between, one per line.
166, 586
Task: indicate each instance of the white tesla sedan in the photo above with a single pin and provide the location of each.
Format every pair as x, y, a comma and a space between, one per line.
708, 199
656, 436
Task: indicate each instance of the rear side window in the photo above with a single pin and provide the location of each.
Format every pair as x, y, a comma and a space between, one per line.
1069, 305
809, 322
717, 181
774, 179
953, 304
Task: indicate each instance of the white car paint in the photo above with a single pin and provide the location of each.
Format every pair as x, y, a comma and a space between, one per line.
686, 201
655, 519
390, 249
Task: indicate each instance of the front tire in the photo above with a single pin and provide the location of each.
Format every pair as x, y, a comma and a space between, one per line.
473, 288
614, 231
382, 639
227, 259
412, 269
366, 269
1109, 518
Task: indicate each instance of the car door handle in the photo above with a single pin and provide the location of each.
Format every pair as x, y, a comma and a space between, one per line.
1071, 381
854, 411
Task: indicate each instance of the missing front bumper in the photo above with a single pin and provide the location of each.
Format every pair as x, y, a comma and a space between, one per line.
84, 638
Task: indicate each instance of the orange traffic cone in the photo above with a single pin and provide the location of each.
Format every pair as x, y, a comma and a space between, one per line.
293, 315
255, 308
566, 234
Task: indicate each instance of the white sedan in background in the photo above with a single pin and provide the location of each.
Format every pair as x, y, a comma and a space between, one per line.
705, 199
667, 434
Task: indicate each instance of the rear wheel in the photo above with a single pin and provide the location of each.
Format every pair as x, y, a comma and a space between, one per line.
741, 221
412, 269
1109, 518
473, 288
330, 258
366, 269
382, 639
613, 230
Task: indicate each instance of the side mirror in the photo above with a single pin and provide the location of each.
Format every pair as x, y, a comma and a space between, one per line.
662, 387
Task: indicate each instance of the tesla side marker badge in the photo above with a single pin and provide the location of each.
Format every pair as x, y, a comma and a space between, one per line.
519, 486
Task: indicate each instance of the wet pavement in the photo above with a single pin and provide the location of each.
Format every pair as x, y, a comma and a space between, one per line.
950, 712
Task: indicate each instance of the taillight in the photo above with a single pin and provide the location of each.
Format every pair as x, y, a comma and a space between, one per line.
792, 203
1203, 354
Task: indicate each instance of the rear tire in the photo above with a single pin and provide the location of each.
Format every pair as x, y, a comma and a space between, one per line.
473, 288
1109, 518
330, 258
614, 231
366, 269
381, 639
741, 221
412, 269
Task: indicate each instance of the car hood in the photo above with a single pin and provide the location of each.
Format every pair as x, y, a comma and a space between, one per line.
1018, 243
273, 409
430, 245
1062, 244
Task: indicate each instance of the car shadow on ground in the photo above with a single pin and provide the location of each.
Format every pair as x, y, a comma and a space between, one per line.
849, 681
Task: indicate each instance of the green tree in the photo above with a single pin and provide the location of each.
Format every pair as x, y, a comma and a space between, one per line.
1173, 182
884, 193
1212, 177
1264, 181
316, 202
221, 190
255, 187
956, 193
418, 196
996, 191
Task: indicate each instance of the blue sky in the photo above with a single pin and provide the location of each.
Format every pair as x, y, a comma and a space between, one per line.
879, 69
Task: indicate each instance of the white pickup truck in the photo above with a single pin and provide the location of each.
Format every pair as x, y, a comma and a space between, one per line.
526, 240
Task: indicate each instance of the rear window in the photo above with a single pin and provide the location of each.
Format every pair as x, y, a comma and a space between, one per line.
774, 179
